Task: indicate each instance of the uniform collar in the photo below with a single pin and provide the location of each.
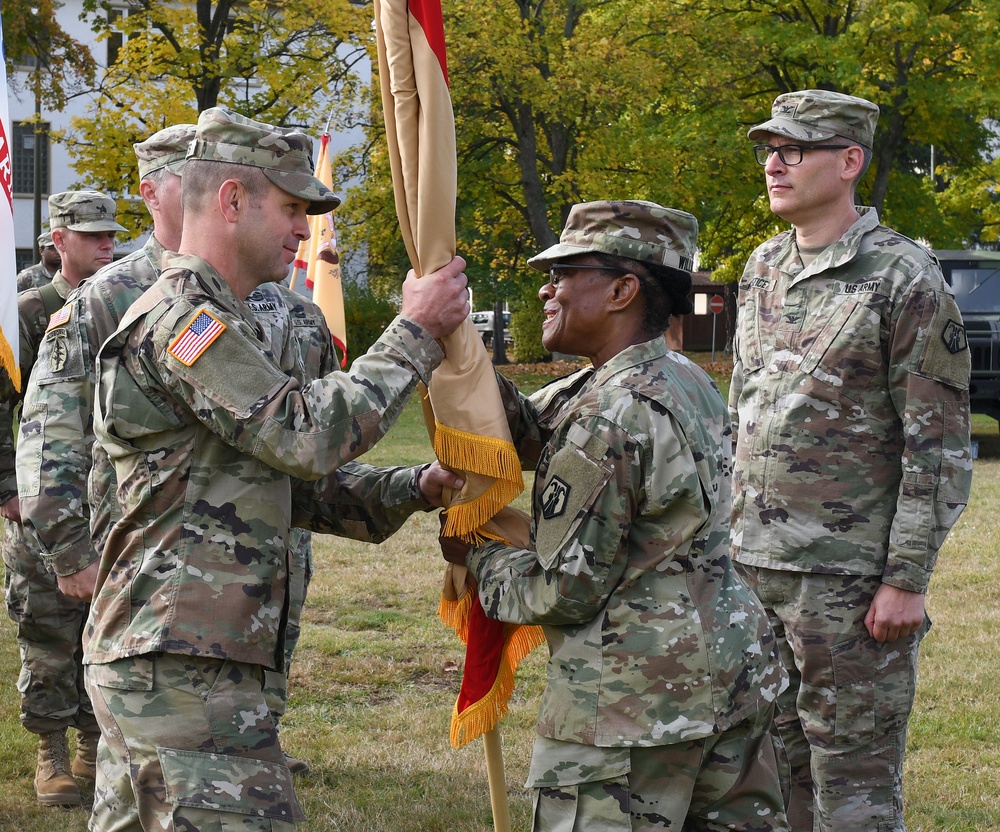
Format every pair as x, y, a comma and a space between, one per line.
62, 285
208, 279
630, 357
835, 255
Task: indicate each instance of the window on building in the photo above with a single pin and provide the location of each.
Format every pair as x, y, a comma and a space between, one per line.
23, 145
24, 257
116, 37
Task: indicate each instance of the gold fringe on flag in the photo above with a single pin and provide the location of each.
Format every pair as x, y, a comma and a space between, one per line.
8, 362
479, 454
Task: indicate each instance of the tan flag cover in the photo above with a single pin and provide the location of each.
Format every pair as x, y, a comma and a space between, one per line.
318, 260
8, 263
467, 423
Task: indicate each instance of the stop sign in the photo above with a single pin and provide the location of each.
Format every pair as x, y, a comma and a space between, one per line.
716, 304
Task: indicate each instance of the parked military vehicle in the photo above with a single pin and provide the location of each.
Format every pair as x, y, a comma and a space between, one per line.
974, 276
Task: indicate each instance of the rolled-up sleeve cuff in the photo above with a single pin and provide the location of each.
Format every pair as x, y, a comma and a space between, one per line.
417, 346
71, 559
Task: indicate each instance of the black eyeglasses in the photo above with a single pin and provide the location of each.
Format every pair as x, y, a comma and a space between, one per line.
560, 271
791, 154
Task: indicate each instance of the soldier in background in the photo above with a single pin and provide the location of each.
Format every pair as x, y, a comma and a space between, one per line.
44, 270
851, 398
663, 669
56, 452
50, 624
212, 441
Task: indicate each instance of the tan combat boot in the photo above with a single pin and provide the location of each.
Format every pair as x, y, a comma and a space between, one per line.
54, 785
85, 762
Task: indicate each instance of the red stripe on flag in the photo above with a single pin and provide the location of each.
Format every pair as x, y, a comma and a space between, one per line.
428, 14
6, 166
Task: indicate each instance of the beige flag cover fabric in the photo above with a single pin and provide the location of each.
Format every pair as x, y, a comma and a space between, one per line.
470, 431
318, 259
9, 337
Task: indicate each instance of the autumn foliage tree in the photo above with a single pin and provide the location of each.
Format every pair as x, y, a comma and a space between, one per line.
60, 66
282, 62
572, 100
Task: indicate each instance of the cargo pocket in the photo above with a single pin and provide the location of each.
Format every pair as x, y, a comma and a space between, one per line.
854, 663
247, 794
579, 786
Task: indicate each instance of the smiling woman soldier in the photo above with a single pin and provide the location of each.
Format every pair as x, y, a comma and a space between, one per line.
663, 668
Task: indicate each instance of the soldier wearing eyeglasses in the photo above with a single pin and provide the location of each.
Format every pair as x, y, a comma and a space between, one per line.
851, 405
663, 670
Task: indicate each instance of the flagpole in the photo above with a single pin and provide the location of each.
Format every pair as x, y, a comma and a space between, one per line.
497, 780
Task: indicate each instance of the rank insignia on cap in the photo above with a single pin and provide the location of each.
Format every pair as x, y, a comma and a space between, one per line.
554, 498
60, 317
197, 337
954, 337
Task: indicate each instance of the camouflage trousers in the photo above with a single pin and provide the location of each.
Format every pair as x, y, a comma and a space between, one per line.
49, 635
300, 571
187, 743
843, 718
728, 781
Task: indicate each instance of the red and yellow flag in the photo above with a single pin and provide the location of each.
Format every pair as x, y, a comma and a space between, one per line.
8, 262
319, 261
466, 418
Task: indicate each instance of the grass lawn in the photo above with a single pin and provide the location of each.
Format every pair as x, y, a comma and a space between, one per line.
376, 676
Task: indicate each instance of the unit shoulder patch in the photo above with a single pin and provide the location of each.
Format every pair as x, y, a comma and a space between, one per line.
555, 497
954, 337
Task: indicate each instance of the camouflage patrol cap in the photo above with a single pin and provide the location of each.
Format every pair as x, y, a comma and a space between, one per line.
818, 115
284, 156
166, 148
45, 239
639, 230
83, 211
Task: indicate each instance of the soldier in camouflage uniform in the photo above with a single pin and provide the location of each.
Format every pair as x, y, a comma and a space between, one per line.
850, 396
50, 624
212, 439
56, 454
663, 669
38, 275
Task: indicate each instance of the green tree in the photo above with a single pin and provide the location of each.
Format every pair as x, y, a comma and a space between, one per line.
286, 63
564, 101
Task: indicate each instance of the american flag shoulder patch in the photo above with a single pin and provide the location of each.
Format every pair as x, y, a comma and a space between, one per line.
196, 337
60, 317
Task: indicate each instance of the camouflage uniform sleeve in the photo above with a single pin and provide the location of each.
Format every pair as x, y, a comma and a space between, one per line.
929, 384
54, 454
8, 401
581, 550
359, 501
532, 418
31, 323
242, 396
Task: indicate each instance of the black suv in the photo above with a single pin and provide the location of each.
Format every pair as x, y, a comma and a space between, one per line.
974, 276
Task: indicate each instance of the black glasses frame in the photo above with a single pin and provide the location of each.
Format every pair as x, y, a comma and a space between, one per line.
557, 271
762, 152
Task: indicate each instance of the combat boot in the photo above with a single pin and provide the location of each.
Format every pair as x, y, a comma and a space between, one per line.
54, 785
85, 762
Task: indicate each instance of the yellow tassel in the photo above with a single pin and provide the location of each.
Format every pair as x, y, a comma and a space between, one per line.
8, 363
485, 455
455, 614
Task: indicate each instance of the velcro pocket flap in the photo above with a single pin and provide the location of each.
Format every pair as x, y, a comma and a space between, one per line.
228, 783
